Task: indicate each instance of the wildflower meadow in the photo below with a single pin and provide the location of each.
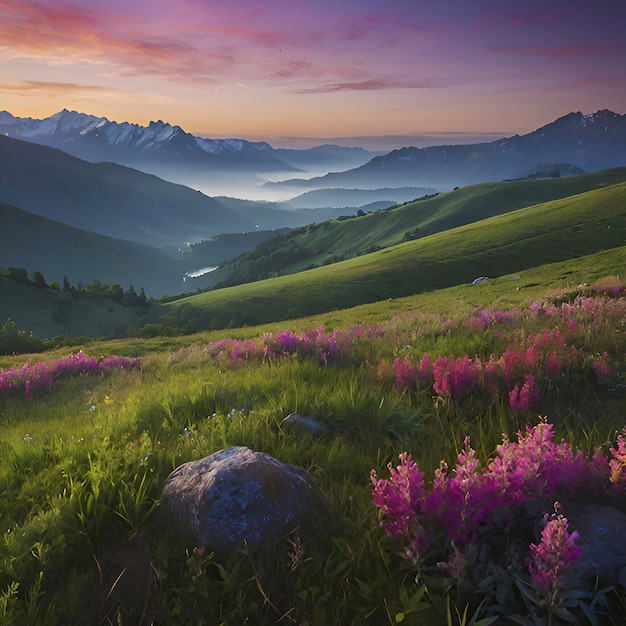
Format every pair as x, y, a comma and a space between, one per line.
449, 450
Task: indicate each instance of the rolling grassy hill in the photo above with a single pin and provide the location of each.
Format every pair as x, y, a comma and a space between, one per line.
329, 241
568, 228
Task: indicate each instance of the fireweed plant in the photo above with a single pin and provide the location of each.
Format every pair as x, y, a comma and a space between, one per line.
565, 350
474, 521
39, 377
467, 511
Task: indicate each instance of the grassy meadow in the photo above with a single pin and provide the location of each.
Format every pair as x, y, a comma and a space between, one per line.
560, 230
85, 452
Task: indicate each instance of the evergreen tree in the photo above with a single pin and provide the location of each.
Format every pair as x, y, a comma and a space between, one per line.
39, 280
131, 298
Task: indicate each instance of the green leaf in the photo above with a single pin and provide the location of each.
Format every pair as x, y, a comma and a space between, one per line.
520, 619
575, 594
415, 603
404, 597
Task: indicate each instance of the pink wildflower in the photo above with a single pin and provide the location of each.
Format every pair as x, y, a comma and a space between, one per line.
554, 557
526, 397
400, 498
406, 374
601, 365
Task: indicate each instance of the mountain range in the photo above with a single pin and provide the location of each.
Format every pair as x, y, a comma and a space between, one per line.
589, 142
98, 139
168, 151
575, 141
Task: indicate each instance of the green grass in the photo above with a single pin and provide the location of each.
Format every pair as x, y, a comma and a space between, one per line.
82, 466
426, 217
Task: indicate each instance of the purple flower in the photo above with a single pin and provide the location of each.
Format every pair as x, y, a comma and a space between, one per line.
406, 374
400, 498
526, 397
454, 377
554, 557
30, 378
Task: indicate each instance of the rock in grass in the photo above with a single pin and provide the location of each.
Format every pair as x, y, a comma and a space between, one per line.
602, 536
301, 425
236, 497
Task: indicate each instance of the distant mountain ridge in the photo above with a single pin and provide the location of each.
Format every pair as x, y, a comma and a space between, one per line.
98, 139
171, 153
585, 141
590, 142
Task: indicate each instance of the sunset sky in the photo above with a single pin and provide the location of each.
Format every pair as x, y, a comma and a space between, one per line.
316, 68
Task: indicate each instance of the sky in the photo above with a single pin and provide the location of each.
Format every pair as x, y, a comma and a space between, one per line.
287, 69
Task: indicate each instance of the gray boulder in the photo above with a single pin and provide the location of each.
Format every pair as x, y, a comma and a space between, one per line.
602, 536
301, 425
236, 497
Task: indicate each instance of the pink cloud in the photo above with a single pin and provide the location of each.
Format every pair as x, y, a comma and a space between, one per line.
40, 85
299, 47
74, 32
339, 46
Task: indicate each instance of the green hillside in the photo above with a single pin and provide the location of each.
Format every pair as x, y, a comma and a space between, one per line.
108, 198
555, 231
322, 243
57, 249
48, 313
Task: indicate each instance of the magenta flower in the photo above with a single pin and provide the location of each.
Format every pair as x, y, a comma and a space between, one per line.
30, 378
554, 557
406, 374
400, 499
601, 365
526, 397
454, 378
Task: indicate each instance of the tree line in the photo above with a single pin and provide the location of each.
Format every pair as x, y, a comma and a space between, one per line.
114, 291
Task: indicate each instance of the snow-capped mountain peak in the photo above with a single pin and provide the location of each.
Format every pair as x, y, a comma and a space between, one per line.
97, 138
